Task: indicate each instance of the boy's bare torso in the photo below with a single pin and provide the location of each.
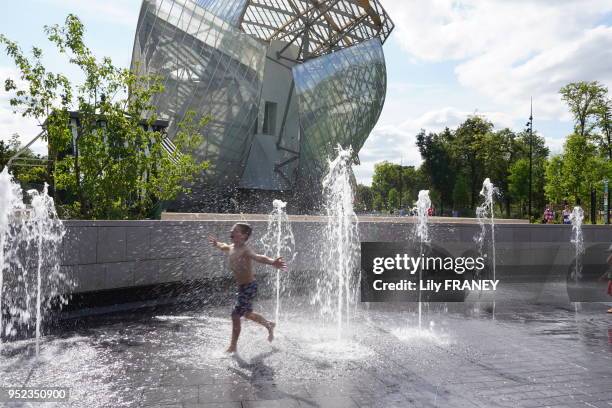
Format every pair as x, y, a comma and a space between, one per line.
240, 264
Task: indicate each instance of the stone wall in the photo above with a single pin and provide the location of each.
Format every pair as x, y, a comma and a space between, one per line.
103, 255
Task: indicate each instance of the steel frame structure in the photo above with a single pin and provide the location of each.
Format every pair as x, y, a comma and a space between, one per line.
316, 27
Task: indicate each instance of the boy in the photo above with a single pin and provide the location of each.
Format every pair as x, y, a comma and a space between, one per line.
240, 257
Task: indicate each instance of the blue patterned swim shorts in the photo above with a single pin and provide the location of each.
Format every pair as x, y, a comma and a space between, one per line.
244, 298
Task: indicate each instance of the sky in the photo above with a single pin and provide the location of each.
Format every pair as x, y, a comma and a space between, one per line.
446, 59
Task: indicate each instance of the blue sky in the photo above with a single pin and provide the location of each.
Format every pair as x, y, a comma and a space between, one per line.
446, 59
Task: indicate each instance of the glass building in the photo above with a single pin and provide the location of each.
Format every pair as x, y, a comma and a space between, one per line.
284, 82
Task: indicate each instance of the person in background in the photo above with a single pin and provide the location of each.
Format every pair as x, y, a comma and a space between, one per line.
549, 215
566, 214
608, 274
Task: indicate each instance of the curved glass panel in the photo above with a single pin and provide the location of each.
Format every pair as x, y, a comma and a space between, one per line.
207, 66
340, 96
229, 10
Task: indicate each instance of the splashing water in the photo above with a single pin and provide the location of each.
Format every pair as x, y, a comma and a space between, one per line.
337, 286
423, 336
49, 232
279, 241
29, 260
421, 234
423, 205
10, 203
576, 218
486, 211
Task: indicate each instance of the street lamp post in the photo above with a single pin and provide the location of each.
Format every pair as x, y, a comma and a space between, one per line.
606, 201
400, 190
401, 182
530, 130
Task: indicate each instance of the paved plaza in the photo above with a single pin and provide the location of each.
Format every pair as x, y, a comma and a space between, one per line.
465, 355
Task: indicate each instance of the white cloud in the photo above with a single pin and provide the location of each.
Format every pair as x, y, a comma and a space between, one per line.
554, 144
510, 50
588, 57
439, 30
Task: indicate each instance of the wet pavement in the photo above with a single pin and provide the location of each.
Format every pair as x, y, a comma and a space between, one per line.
465, 355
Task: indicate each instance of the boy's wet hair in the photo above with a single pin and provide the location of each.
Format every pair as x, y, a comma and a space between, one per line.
245, 228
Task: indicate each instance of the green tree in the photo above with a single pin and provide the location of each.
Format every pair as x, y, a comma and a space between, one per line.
8, 149
455, 163
378, 203
461, 195
384, 178
539, 156
518, 183
413, 180
118, 168
436, 151
467, 142
577, 152
364, 199
584, 99
498, 150
29, 169
604, 122
555, 188
406, 180
581, 169
393, 199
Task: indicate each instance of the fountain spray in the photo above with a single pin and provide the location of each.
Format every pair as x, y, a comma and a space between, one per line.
576, 218
337, 287
48, 231
10, 203
279, 241
30, 239
421, 233
486, 211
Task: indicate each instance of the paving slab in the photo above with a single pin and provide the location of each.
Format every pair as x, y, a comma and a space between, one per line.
464, 355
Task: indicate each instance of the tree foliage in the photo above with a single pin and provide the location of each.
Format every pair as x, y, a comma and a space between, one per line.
556, 190
468, 140
437, 154
456, 162
364, 200
576, 171
587, 153
30, 171
584, 100
405, 181
115, 166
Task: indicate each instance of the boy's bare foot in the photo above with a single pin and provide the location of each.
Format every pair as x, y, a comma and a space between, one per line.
271, 327
610, 310
231, 349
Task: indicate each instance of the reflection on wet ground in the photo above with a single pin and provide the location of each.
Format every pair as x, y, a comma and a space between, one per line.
467, 355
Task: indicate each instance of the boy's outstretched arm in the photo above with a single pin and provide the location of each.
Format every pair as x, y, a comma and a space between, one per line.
277, 263
219, 245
